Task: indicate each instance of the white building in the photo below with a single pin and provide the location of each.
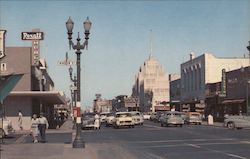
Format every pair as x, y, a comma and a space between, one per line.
151, 86
199, 71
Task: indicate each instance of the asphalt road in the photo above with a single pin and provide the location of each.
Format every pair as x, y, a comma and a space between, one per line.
151, 141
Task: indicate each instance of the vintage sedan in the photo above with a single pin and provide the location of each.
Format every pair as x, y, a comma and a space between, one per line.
103, 116
171, 118
110, 119
137, 117
90, 120
123, 119
193, 118
6, 128
237, 121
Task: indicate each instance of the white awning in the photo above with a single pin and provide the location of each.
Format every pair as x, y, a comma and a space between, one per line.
51, 97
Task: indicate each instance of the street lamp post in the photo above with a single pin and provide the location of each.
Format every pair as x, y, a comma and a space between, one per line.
248, 82
78, 141
74, 89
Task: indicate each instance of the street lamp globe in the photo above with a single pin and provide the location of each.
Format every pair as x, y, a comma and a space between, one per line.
70, 25
87, 25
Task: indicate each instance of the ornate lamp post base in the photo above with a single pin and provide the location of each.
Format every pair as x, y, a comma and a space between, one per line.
78, 142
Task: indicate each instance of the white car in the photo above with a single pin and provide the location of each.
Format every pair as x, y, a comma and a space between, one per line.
171, 118
103, 116
123, 119
6, 128
146, 115
110, 119
137, 117
91, 120
237, 121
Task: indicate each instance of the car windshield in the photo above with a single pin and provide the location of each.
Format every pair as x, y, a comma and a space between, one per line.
88, 115
110, 114
123, 115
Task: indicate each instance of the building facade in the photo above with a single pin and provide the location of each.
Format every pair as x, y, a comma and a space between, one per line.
102, 105
200, 71
151, 86
237, 91
175, 91
34, 93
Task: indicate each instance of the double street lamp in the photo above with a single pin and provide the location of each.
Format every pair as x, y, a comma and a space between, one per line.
78, 141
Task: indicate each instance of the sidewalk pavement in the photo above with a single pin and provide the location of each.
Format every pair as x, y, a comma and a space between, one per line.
22, 150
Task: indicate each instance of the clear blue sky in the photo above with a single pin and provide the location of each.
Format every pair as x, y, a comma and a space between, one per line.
120, 36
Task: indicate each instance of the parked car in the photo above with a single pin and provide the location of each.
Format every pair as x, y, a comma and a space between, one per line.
123, 119
194, 118
137, 117
110, 119
90, 120
171, 118
6, 128
237, 121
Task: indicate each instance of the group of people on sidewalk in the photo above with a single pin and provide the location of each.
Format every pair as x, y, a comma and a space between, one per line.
39, 126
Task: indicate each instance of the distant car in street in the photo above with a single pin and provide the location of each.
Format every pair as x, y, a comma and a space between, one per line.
137, 117
90, 120
110, 119
237, 121
146, 115
6, 128
123, 119
193, 118
103, 116
158, 116
153, 116
171, 118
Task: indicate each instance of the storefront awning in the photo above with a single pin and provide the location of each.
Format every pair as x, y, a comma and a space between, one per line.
8, 82
162, 108
50, 97
233, 101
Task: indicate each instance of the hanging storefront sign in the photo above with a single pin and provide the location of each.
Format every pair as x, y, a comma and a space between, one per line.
35, 36
223, 83
32, 35
2, 43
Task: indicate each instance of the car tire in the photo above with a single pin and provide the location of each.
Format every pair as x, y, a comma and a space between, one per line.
230, 125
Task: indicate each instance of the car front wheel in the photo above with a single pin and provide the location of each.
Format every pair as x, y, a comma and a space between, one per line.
230, 125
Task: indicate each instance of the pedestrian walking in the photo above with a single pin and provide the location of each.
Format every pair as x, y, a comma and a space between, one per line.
43, 125
97, 121
20, 120
34, 128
